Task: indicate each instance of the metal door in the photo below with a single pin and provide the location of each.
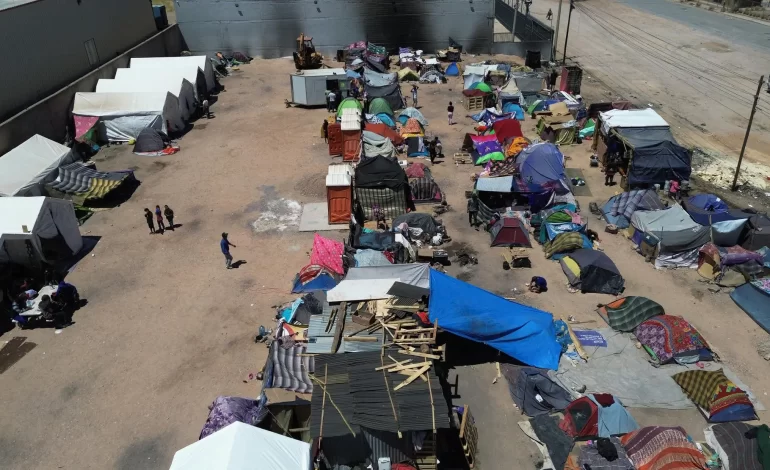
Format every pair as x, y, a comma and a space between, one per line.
335, 139
351, 145
339, 204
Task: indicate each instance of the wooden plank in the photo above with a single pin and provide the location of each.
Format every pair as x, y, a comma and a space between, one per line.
578, 347
323, 404
406, 372
419, 354
391, 365
407, 366
412, 377
339, 326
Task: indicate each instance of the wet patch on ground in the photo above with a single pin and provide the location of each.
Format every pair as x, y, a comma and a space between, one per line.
277, 214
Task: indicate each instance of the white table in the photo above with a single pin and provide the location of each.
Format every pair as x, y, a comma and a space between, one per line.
35, 310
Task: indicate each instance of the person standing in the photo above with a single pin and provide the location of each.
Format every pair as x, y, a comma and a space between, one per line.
450, 111
609, 172
439, 148
473, 210
159, 217
325, 131
414, 96
225, 245
148, 216
332, 102
549, 15
169, 216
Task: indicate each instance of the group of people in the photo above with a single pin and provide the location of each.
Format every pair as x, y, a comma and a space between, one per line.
56, 309
159, 217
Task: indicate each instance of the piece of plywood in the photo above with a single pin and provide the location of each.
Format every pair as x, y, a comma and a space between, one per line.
413, 377
315, 218
360, 289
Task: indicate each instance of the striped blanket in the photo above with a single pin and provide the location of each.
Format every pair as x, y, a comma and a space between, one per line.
564, 242
712, 391
629, 312
662, 448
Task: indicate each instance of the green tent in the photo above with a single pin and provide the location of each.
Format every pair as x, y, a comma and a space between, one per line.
380, 105
349, 103
481, 86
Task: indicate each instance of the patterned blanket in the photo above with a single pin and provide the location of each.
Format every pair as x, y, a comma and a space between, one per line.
629, 312
627, 203
711, 390
327, 253
568, 241
590, 458
669, 336
662, 448
735, 450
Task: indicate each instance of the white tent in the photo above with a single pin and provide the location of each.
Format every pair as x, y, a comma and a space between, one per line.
26, 169
647, 117
122, 116
48, 224
201, 61
182, 89
240, 446
190, 72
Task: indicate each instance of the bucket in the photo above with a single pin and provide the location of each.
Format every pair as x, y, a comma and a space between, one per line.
657, 187
383, 463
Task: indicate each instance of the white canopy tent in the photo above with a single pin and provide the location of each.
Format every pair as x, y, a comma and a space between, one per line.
25, 170
49, 226
183, 90
122, 116
190, 72
201, 61
240, 446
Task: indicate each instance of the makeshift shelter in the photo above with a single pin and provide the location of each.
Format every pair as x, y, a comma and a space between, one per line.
153, 143
597, 415
412, 128
184, 71
314, 277
507, 129
412, 113
654, 447
200, 61
26, 169
626, 313
735, 445
415, 147
380, 106
541, 164
327, 253
183, 90
718, 398
378, 79
522, 332
407, 75
509, 231
376, 145
533, 392
671, 338
120, 117
381, 183
678, 237
729, 266
707, 209
452, 70
489, 150
391, 93
84, 185
592, 271
240, 446
619, 209
425, 189
349, 103
753, 298
515, 109
37, 229
758, 232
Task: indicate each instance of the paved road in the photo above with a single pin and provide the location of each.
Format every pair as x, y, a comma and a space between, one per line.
724, 27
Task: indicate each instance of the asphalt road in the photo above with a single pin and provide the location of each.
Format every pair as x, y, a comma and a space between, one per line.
725, 28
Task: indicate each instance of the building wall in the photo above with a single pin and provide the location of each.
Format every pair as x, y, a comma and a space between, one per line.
269, 28
50, 116
43, 43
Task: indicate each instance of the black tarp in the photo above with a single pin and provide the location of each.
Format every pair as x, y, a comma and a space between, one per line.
757, 233
391, 93
151, 140
532, 383
380, 172
419, 220
597, 272
657, 156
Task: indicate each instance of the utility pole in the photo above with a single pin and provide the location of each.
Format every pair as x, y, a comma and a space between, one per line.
515, 17
566, 36
556, 33
748, 130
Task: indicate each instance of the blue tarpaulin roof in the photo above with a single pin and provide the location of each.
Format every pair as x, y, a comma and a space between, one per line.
452, 70
542, 163
524, 333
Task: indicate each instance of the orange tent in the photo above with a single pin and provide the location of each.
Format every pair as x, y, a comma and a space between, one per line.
385, 131
412, 128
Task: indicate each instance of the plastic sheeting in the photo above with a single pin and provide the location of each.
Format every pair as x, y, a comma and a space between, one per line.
631, 118
200, 61
415, 274
376, 145
542, 163
414, 113
27, 168
240, 446
674, 228
182, 89
728, 233
522, 332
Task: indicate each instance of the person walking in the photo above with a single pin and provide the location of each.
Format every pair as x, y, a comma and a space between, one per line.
414, 95
169, 216
473, 210
159, 217
225, 245
450, 111
148, 216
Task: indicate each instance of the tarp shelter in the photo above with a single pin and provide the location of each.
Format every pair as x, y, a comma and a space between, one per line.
452, 70
679, 236
420, 220
120, 117
758, 232
380, 106
313, 277
619, 208
414, 274
507, 129
377, 79
655, 156
509, 231
592, 271
708, 209
542, 163
240, 446
522, 332
385, 131
47, 225
533, 392
391, 93
82, 183
183, 90
474, 74
26, 169
201, 61
381, 182
631, 118
185, 71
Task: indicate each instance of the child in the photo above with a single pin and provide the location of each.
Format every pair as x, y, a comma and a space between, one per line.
148, 217
169, 216
538, 284
159, 218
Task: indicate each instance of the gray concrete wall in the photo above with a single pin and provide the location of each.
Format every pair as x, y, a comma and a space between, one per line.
520, 48
528, 28
49, 116
269, 28
43, 43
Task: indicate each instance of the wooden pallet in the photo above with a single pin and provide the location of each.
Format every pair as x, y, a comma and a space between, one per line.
469, 437
515, 258
405, 334
463, 158
474, 103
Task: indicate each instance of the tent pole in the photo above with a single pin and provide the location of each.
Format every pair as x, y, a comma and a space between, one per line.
748, 130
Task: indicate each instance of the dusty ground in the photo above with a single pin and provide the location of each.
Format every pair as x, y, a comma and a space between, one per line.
703, 85
167, 328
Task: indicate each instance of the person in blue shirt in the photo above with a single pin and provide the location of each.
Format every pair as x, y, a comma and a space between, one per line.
225, 245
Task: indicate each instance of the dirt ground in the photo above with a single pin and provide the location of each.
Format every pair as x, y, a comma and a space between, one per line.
701, 85
167, 328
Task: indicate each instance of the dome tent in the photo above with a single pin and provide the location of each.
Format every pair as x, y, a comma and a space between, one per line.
453, 70
380, 106
348, 103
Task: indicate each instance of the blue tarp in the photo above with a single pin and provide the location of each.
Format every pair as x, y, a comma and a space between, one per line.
514, 109
453, 70
352, 74
387, 120
753, 300
707, 209
540, 164
489, 116
522, 332
323, 282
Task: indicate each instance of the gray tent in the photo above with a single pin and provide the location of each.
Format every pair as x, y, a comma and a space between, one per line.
680, 237
377, 145
418, 220
597, 272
